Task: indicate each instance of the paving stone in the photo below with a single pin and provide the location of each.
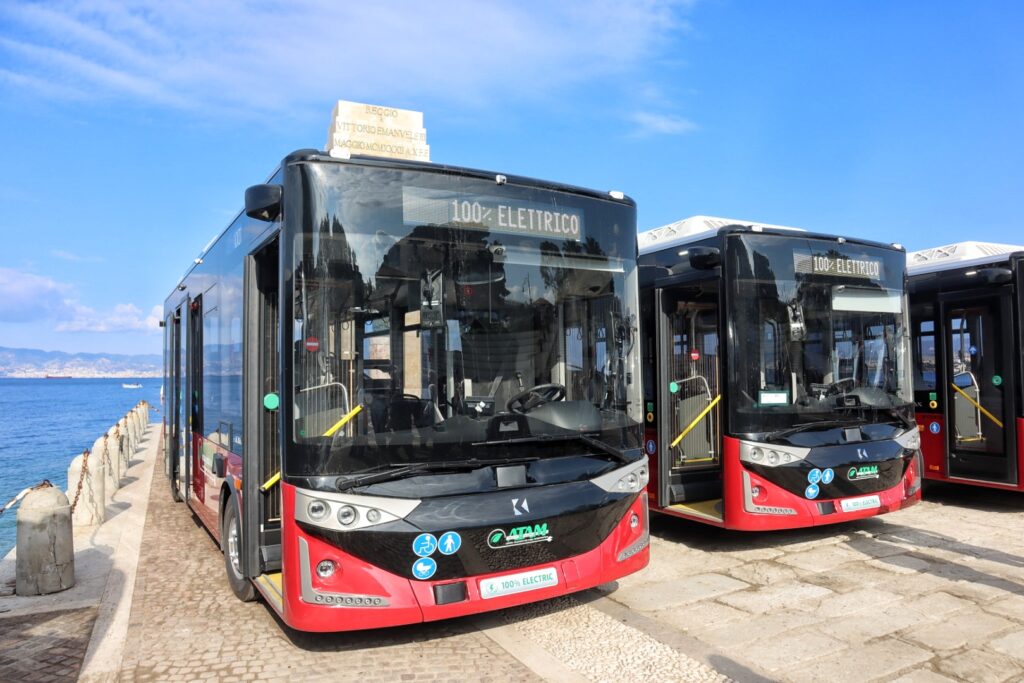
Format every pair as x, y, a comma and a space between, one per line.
905, 563
1009, 606
1011, 644
763, 573
869, 624
923, 676
776, 596
979, 666
48, 646
681, 591
875, 660
787, 650
933, 605
957, 630
757, 627
700, 616
843, 605
821, 558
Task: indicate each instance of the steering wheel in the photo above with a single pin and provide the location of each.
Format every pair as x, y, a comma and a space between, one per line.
833, 389
534, 397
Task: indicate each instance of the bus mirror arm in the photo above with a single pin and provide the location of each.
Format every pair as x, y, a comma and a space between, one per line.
705, 258
263, 202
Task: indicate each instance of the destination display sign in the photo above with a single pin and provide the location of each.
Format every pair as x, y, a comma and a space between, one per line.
837, 266
373, 130
427, 206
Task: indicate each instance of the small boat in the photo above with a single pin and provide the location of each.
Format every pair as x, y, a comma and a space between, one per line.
58, 377
131, 386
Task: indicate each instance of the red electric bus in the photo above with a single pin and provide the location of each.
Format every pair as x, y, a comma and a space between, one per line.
967, 311
776, 375
400, 392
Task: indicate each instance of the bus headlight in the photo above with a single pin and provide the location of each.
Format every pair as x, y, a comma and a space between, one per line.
347, 515
318, 509
373, 515
771, 455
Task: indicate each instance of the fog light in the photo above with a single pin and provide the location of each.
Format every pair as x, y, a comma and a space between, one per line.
317, 509
373, 515
756, 492
634, 521
347, 515
325, 569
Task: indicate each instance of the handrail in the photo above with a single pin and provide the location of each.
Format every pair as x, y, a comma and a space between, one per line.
697, 419
707, 387
977, 405
344, 420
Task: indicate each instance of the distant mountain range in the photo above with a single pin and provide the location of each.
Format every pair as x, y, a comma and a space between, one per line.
36, 363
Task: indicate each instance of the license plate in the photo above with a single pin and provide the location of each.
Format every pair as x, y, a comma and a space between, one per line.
518, 583
863, 503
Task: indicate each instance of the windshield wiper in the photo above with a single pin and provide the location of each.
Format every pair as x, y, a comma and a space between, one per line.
588, 440
804, 426
393, 472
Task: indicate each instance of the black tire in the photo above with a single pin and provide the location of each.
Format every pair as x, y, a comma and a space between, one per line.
231, 544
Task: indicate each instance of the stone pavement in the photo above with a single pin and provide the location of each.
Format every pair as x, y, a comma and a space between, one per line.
931, 593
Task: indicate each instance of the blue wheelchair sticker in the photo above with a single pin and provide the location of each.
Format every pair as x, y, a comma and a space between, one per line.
424, 545
814, 476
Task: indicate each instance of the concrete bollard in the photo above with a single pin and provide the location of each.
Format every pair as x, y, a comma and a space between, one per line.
91, 502
117, 447
127, 433
46, 554
103, 451
145, 412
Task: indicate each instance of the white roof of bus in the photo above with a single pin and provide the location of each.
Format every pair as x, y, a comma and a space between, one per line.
957, 255
692, 229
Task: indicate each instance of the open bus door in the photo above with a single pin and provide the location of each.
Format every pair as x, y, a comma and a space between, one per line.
173, 412
260, 533
979, 385
197, 478
689, 394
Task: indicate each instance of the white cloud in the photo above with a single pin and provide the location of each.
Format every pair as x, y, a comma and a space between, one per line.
26, 297
73, 257
123, 318
271, 57
651, 123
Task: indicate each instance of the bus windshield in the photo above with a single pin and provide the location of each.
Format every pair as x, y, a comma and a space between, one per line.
443, 318
818, 331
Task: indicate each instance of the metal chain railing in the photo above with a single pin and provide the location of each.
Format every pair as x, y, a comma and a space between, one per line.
44, 484
81, 479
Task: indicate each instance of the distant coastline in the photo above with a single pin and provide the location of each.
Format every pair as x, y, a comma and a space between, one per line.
56, 365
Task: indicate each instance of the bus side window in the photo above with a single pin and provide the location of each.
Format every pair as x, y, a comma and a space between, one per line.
924, 356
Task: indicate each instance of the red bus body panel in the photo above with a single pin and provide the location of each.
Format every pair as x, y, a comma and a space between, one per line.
934, 448
807, 512
412, 601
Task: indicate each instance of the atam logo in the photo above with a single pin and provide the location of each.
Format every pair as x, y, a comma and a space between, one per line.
520, 535
863, 472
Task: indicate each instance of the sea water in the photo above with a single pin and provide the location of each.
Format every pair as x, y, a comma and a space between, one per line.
44, 423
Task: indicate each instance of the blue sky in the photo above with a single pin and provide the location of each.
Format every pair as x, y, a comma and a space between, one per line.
129, 130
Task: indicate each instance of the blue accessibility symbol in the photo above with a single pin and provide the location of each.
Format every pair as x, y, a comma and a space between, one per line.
424, 568
827, 475
973, 350
424, 545
651, 446
812, 491
934, 428
814, 476
449, 543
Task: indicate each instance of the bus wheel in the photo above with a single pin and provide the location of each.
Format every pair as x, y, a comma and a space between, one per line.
231, 542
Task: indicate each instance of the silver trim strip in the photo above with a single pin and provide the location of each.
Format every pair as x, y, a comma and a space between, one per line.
314, 597
753, 508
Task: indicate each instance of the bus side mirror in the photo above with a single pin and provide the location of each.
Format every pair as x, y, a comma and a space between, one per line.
995, 276
263, 202
705, 258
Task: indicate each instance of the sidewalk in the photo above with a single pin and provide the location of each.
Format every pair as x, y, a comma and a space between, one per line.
80, 632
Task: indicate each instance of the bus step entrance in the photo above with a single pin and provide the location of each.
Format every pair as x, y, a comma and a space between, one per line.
709, 510
270, 558
270, 587
696, 489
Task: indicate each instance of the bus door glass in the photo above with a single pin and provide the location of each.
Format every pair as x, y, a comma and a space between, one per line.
195, 378
979, 380
692, 431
